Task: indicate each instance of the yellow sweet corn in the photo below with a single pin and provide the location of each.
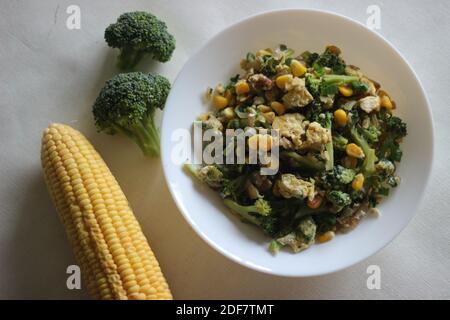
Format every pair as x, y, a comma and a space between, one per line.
260, 141
297, 68
278, 107
314, 203
345, 91
282, 80
220, 102
340, 117
355, 151
114, 256
358, 182
242, 87
325, 237
386, 102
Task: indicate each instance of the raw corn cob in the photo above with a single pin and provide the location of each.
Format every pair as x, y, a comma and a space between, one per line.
114, 256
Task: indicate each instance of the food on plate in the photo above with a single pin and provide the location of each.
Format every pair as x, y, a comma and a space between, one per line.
338, 142
127, 104
115, 258
139, 34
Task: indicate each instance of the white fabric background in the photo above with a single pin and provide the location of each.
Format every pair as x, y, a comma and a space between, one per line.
49, 73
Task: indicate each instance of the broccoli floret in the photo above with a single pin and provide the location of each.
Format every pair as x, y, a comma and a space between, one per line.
258, 214
329, 59
260, 206
127, 104
344, 175
371, 134
370, 157
338, 178
137, 34
359, 87
385, 167
395, 130
339, 199
211, 175
339, 142
327, 85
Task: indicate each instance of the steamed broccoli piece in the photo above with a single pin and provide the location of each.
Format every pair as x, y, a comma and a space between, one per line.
211, 175
328, 123
137, 34
339, 199
339, 142
371, 134
327, 84
302, 162
260, 206
328, 59
370, 157
127, 104
344, 175
359, 87
395, 130
258, 214
338, 178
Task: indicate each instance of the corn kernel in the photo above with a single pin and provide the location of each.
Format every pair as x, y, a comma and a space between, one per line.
282, 80
263, 108
242, 87
204, 116
263, 52
354, 151
340, 117
325, 237
345, 91
350, 162
386, 102
260, 141
315, 202
358, 182
278, 107
220, 102
228, 113
269, 116
297, 68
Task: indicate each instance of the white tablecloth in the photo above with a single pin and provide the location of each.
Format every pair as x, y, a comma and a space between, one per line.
49, 73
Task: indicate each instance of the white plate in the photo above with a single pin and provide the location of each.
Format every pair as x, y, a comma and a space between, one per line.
301, 30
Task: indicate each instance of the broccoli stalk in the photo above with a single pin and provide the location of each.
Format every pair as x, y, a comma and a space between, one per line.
303, 162
329, 164
370, 157
327, 84
137, 34
127, 104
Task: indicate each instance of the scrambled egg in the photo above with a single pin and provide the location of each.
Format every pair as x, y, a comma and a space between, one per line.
303, 238
297, 95
370, 103
289, 186
291, 129
316, 136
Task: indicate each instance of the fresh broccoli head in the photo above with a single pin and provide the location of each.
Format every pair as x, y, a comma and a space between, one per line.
127, 104
211, 175
339, 199
137, 34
